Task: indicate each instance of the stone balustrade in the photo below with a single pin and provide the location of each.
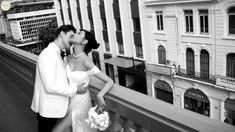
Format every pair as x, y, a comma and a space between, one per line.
130, 111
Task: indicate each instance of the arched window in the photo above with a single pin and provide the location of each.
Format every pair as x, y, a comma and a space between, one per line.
231, 20
190, 66
197, 101
161, 55
230, 67
163, 91
204, 64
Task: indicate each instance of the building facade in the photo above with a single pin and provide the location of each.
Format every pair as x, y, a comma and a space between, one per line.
181, 52
27, 17
192, 54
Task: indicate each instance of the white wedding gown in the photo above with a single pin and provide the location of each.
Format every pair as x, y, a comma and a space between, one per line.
81, 103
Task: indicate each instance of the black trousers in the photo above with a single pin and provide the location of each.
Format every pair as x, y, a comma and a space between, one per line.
46, 124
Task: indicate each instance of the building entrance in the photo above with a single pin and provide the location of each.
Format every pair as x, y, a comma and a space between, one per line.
195, 100
230, 111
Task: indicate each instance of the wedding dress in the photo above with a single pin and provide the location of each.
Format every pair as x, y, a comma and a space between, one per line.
81, 103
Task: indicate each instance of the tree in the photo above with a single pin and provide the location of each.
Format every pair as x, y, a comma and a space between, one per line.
47, 33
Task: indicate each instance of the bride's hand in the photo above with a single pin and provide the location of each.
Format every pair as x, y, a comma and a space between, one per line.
100, 101
81, 89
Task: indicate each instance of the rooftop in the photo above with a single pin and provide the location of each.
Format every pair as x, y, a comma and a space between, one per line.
160, 2
30, 2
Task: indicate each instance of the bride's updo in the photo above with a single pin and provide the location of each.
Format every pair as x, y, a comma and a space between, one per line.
91, 42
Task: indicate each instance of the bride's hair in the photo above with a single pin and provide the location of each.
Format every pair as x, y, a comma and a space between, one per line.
91, 42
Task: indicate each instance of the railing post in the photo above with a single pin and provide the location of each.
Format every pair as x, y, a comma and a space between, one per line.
116, 125
128, 126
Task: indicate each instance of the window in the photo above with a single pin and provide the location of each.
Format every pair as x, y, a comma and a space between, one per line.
188, 20
161, 55
61, 12
115, 1
118, 24
230, 71
203, 18
139, 52
204, 64
70, 15
91, 23
104, 23
110, 71
27, 9
96, 58
159, 18
190, 62
136, 22
107, 47
121, 48
163, 91
231, 20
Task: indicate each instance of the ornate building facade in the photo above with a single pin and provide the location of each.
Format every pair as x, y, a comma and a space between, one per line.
181, 52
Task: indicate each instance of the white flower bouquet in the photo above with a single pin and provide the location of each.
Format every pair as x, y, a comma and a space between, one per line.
98, 118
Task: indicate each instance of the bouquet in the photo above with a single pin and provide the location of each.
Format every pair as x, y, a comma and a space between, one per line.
98, 118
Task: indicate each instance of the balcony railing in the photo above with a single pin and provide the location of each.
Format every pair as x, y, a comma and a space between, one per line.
196, 75
130, 111
168, 70
226, 81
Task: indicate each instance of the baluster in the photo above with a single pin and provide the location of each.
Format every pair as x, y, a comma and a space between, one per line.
24, 71
115, 122
127, 125
139, 128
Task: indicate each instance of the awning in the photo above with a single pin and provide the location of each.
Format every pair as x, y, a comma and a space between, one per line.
230, 104
122, 62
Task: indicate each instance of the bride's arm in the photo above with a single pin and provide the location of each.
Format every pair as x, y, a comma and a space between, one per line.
103, 77
108, 85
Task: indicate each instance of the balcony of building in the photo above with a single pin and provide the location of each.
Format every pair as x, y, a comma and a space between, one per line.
170, 70
130, 111
227, 82
205, 77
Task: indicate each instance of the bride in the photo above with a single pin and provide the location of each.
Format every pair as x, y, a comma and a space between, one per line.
79, 69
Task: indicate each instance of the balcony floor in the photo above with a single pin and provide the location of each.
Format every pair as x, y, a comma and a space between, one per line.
15, 112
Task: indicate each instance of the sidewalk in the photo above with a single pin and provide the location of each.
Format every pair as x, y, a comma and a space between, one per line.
15, 112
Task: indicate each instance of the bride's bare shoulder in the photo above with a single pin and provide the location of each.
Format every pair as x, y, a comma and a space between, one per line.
88, 63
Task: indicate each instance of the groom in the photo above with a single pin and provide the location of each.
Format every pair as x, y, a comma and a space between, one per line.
51, 89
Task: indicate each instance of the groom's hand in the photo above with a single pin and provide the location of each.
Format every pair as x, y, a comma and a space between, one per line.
81, 89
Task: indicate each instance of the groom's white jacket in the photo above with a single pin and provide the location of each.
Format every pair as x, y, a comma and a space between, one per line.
51, 89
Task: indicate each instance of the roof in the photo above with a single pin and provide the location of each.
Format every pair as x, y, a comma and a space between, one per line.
161, 2
27, 1
30, 2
